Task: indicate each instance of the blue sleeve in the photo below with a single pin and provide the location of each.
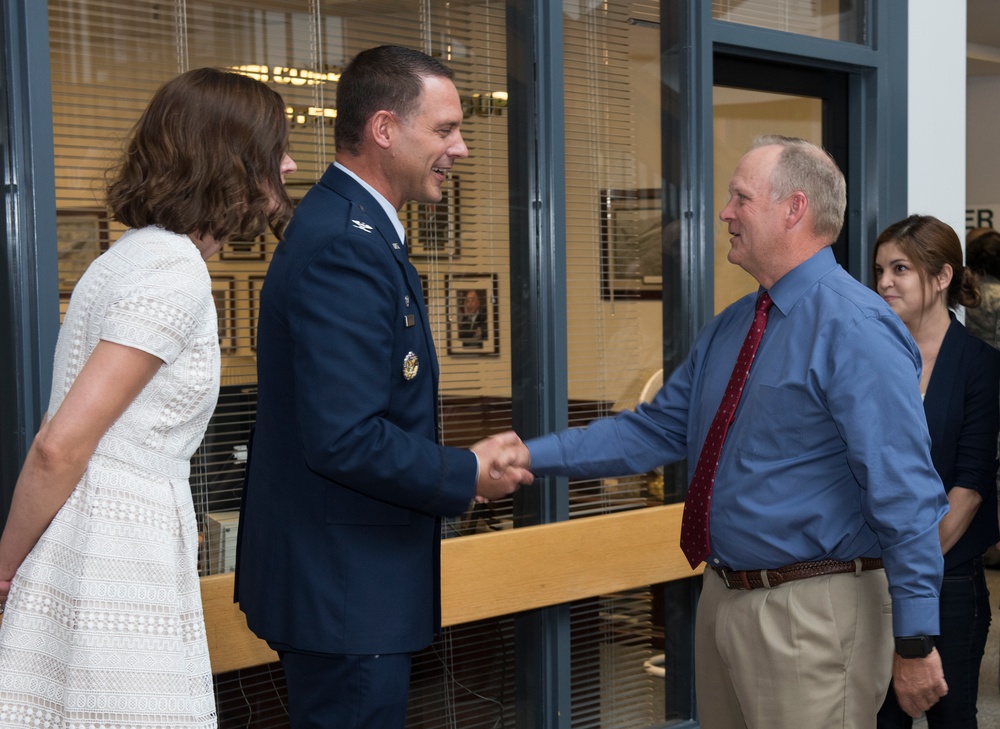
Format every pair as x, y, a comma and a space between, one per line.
630, 442
881, 418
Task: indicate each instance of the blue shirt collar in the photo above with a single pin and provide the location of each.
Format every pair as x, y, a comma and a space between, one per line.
793, 285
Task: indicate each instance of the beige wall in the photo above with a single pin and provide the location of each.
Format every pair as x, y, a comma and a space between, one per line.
983, 143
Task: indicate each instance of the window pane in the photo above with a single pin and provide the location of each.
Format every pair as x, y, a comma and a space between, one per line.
740, 115
842, 20
614, 270
108, 57
614, 226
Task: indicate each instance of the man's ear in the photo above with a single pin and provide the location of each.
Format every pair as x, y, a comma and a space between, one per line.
381, 126
798, 204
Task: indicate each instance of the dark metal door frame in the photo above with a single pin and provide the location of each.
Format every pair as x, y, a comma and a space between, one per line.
29, 304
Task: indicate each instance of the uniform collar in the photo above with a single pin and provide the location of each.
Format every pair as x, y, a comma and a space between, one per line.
390, 211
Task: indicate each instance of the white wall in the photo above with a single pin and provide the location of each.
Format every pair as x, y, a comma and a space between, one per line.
936, 109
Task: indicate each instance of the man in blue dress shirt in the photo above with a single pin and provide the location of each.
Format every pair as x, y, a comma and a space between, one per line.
825, 474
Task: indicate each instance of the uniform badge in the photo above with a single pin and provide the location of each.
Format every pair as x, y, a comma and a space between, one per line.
410, 366
362, 226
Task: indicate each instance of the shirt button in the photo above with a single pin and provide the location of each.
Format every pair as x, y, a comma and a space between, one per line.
716, 560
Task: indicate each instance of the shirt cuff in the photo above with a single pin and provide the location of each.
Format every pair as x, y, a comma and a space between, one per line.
915, 616
546, 455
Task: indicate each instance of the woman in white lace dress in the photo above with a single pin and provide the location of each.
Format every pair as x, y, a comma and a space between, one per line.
103, 622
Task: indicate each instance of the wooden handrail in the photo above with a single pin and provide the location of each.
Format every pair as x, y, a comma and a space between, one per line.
504, 572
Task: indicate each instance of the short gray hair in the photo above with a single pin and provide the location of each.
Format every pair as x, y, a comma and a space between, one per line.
807, 168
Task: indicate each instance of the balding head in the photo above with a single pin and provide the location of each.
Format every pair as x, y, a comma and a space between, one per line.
802, 166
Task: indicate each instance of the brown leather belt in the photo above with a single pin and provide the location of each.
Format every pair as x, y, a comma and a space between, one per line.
752, 579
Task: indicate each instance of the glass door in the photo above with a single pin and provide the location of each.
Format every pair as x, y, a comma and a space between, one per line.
750, 98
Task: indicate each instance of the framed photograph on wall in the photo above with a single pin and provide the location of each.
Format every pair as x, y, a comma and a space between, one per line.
81, 236
432, 229
631, 244
224, 292
255, 283
473, 313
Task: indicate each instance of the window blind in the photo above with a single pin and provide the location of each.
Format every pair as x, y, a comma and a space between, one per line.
614, 309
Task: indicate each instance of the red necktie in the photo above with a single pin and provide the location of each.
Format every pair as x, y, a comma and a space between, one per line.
694, 524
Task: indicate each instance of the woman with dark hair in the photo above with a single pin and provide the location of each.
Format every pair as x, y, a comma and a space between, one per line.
919, 272
98, 560
982, 255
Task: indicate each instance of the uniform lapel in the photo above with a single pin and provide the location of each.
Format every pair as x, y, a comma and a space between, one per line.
367, 215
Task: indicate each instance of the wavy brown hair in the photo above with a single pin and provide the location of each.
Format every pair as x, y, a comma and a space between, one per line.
205, 159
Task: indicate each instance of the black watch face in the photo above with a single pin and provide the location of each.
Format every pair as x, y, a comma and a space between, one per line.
916, 647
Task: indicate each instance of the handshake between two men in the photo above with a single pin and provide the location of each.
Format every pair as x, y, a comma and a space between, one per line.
503, 466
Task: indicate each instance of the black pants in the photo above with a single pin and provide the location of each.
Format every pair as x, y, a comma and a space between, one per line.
330, 691
965, 623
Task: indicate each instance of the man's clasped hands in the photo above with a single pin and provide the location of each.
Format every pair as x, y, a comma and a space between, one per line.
503, 466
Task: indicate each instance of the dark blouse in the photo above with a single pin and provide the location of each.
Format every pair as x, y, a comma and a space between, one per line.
962, 405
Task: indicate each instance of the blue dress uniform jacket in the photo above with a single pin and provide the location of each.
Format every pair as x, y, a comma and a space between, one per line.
340, 524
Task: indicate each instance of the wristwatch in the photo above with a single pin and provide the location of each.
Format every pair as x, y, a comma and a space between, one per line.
914, 646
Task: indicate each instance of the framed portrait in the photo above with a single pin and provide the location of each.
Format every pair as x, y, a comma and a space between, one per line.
255, 283
631, 244
244, 250
472, 313
224, 292
432, 229
81, 236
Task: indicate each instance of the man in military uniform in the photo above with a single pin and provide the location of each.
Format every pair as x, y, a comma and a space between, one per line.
338, 563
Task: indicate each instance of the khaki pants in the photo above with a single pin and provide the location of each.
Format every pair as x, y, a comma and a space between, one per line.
809, 654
